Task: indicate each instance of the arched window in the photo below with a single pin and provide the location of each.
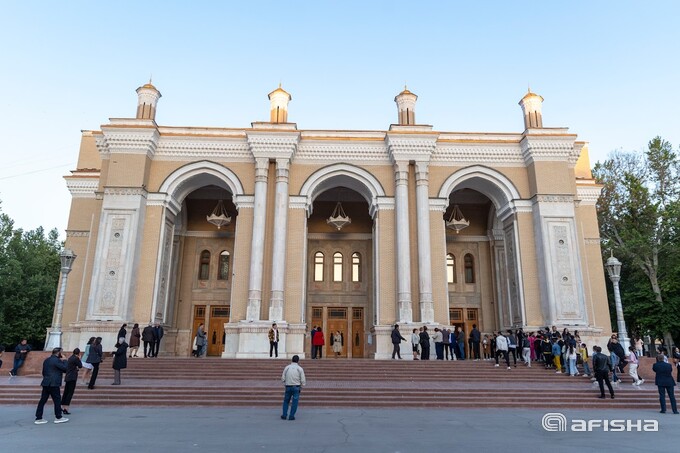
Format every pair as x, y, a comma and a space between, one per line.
450, 268
356, 267
337, 267
469, 269
204, 266
318, 267
223, 272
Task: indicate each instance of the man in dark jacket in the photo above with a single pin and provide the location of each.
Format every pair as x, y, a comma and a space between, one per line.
476, 338
665, 383
148, 339
21, 351
119, 359
602, 367
53, 369
157, 337
396, 342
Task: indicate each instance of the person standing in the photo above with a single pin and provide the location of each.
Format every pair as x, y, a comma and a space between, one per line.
273, 340
337, 343
602, 367
665, 383
512, 347
293, 377
424, 344
571, 356
318, 341
311, 338
73, 365
438, 340
87, 365
158, 333
20, 353
396, 342
584, 359
53, 369
526, 350
122, 332
676, 360
446, 335
119, 359
95, 358
134, 340
201, 341
415, 339
147, 338
476, 337
461, 342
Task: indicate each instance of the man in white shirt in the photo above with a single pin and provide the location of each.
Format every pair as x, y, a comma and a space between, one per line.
293, 377
502, 349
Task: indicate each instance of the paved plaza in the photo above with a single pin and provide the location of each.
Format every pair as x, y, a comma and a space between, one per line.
329, 430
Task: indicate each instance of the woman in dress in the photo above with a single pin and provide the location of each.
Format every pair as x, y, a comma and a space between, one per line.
73, 365
135, 337
95, 358
337, 343
88, 366
415, 340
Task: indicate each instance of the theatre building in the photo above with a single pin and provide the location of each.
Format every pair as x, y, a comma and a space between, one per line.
349, 230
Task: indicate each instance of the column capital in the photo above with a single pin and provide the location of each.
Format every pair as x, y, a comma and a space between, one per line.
401, 173
282, 170
410, 146
273, 144
422, 173
261, 169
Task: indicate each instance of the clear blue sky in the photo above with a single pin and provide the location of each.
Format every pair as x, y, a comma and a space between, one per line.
608, 70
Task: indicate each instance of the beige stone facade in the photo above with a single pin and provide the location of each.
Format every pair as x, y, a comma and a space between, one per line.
529, 258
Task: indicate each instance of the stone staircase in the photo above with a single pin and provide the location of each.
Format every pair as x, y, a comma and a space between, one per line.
338, 383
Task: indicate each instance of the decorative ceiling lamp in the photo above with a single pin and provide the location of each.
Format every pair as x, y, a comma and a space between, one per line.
338, 218
219, 216
457, 221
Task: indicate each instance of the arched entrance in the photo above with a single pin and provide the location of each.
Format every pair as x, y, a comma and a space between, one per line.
340, 290
482, 261
198, 258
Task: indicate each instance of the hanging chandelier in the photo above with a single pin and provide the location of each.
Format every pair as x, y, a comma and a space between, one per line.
457, 221
219, 216
338, 218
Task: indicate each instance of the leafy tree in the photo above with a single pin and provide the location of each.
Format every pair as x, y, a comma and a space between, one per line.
29, 273
639, 221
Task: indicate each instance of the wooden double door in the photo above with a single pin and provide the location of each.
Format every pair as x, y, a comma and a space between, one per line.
348, 322
465, 318
217, 316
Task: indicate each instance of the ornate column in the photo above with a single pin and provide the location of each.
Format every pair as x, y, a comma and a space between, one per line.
403, 251
257, 246
424, 245
280, 235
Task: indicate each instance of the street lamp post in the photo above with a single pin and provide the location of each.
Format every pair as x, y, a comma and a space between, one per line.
54, 340
614, 270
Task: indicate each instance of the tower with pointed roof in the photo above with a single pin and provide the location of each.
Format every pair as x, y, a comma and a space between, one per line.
279, 99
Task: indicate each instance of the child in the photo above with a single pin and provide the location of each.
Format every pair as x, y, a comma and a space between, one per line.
584, 359
557, 352
485, 347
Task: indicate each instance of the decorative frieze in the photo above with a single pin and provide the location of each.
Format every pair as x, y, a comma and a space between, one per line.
82, 187
127, 141
508, 155
191, 148
588, 195
77, 234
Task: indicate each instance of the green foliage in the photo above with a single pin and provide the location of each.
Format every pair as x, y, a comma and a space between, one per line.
639, 215
29, 273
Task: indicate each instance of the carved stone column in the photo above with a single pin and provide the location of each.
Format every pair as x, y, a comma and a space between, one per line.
280, 235
424, 245
403, 246
257, 247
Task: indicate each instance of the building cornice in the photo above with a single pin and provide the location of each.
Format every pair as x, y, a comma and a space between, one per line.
82, 187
